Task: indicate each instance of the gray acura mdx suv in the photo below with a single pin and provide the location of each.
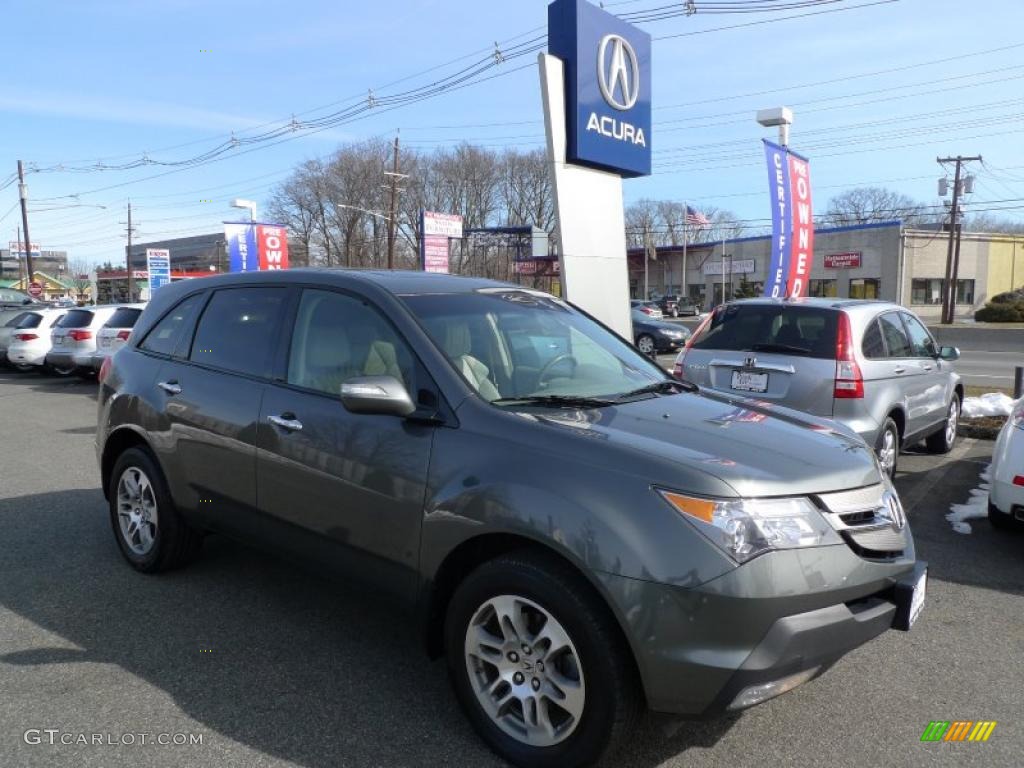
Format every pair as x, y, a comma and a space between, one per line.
580, 535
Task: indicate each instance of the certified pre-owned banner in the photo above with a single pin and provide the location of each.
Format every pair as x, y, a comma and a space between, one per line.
254, 247
789, 181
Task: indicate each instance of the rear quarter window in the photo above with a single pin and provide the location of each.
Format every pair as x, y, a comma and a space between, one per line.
795, 330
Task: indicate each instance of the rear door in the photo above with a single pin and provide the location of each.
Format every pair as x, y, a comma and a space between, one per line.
343, 488
776, 352
211, 390
934, 371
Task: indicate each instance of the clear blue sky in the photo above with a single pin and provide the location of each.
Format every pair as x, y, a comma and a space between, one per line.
108, 79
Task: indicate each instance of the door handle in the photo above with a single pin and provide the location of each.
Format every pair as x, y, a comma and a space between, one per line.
899, 370
285, 422
926, 367
170, 387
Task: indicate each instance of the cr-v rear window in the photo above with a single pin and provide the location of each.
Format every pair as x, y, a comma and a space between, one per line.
787, 330
124, 317
76, 318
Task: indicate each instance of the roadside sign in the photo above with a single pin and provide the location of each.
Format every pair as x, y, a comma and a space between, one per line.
35, 289
438, 229
158, 265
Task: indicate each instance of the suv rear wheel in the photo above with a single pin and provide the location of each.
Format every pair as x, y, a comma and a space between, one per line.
943, 440
537, 664
149, 531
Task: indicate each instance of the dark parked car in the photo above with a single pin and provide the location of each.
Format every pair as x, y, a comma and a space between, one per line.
677, 306
579, 534
656, 336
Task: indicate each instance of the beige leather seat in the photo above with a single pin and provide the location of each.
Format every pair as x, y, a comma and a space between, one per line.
457, 344
383, 361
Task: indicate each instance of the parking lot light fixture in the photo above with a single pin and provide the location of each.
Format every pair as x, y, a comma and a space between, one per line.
249, 205
777, 116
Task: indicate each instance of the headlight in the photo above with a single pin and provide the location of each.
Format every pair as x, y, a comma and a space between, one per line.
746, 528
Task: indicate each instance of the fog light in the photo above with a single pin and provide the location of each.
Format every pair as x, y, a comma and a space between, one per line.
755, 694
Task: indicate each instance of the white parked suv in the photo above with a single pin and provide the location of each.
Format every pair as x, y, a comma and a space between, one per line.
1006, 499
27, 348
74, 339
115, 333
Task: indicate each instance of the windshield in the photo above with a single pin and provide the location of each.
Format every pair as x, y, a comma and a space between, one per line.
793, 330
512, 344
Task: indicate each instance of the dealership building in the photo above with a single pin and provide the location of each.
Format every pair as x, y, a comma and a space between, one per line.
883, 260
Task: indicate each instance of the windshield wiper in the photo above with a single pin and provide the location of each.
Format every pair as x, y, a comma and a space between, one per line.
559, 401
779, 348
668, 386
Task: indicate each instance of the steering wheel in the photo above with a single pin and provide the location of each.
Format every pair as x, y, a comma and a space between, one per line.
552, 363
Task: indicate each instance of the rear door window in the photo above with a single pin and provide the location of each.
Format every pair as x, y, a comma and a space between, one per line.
793, 330
163, 338
76, 318
874, 347
896, 341
123, 317
238, 329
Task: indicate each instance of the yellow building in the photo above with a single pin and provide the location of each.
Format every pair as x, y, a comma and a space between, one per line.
55, 288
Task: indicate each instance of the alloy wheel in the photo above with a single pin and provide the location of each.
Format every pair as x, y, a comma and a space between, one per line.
137, 511
645, 344
951, 421
887, 453
524, 670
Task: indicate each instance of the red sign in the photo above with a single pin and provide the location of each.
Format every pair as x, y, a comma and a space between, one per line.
842, 260
272, 246
802, 246
35, 290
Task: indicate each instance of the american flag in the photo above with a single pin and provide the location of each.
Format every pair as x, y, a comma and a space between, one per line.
695, 217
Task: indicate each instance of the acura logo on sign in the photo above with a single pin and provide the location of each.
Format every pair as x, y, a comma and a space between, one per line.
618, 72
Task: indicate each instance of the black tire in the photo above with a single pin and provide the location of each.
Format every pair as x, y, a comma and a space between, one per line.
175, 542
22, 367
613, 701
889, 427
940, 442
647, 338
63, 371
1001, 520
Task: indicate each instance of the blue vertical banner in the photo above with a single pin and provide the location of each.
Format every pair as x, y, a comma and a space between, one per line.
242, 252
780, 195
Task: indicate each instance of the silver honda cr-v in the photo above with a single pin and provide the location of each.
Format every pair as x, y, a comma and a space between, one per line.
871, 365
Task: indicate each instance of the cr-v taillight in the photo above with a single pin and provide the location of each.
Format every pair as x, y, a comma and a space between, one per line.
849, 381
677, 369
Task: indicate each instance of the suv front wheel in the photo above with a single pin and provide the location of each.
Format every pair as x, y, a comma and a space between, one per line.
537, 664
888, 447
943, 440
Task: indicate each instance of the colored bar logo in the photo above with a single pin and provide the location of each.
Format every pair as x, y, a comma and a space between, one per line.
958, 730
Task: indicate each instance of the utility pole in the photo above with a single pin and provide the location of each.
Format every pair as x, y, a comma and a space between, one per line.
21, 269
23, 194
953, 250
393, 207
128, 255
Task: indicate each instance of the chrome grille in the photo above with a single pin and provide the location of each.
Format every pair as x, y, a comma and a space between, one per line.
869, 521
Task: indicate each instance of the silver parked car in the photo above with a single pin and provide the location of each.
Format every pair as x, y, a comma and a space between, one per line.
115, 333
74, 339
871, 365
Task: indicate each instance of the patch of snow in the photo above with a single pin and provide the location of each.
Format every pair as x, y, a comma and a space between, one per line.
976, 506
990, 404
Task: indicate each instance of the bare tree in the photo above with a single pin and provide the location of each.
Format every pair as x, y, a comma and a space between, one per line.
866, 205
78, 276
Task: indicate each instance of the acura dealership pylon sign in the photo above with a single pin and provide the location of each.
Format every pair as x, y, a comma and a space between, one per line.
607, 87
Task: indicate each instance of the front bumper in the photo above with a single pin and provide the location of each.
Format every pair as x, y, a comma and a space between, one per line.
665, 344
781, 614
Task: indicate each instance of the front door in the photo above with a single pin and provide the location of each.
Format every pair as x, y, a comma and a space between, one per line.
934, 370
906, 370
348, 489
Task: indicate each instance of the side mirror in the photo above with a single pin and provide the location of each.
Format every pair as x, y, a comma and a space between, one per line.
382, 395
949, 353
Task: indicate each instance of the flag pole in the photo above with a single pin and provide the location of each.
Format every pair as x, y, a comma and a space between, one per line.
686, 218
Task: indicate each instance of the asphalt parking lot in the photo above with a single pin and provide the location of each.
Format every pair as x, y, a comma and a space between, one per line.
273, 666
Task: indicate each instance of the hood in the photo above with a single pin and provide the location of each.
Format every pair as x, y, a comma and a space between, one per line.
756, 448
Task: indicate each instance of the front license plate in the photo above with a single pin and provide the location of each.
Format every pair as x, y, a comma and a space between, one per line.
917, 598
750, 382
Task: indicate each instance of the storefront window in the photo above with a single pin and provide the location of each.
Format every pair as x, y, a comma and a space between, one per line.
926, 290
864, 287
827, 288
965, 292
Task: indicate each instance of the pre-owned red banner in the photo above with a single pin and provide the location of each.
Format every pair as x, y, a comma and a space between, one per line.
802, 238
272, 246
